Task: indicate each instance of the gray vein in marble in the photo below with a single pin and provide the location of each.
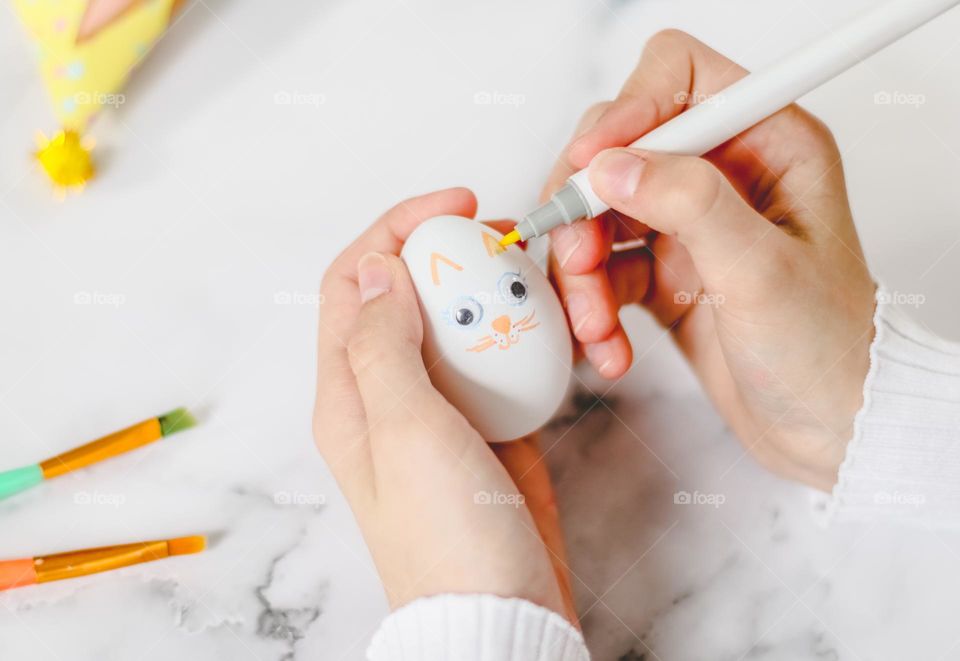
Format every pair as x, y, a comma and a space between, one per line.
288, 625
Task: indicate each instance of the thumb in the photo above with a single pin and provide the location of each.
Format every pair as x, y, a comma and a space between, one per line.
384, 347
687, 197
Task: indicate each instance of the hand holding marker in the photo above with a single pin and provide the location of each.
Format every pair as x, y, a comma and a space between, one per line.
745, 104
42, 569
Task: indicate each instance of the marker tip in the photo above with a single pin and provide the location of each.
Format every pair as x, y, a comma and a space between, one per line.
511, 238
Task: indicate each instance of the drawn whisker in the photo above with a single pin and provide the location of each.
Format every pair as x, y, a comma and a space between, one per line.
504, 341
483, 344
526, 320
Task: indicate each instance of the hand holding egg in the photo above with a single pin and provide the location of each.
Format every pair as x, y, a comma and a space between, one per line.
397, 446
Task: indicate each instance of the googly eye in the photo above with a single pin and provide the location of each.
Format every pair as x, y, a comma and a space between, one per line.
465, 312
513, 288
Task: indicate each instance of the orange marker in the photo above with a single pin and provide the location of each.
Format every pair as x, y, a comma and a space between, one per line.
46, 568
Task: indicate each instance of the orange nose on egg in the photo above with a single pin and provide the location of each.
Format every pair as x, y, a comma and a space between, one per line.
502, 324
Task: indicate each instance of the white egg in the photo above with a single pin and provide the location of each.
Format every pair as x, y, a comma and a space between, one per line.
496, 342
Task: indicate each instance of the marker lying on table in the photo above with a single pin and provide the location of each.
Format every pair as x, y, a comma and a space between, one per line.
46, 568
142, 433
745, 103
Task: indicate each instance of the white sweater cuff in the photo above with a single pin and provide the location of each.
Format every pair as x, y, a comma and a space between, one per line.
470, 627
903, 463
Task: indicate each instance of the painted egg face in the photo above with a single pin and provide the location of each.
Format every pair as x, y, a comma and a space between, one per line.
496, 342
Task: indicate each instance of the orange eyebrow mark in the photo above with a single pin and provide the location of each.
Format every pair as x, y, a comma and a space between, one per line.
492, 245
436, 257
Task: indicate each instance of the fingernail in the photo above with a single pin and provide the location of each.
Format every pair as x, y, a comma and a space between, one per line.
616, 173
578, 309
576, 153
374, 276
600, 356
571, 153
566, 240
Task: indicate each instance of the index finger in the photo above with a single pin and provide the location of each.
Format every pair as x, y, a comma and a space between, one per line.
676, 71
579, 247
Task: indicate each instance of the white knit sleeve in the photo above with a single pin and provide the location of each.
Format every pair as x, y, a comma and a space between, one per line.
475, 627
903, 463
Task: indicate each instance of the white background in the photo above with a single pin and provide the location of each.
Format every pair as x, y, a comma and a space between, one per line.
202, 243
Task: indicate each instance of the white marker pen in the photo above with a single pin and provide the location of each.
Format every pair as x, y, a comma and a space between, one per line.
746, 103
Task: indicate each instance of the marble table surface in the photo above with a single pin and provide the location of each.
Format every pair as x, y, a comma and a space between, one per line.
250, 147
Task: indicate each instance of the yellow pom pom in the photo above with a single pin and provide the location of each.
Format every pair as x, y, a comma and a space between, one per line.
66, 159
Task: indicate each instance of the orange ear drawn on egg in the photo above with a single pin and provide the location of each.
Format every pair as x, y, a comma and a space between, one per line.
492, 245
435, 259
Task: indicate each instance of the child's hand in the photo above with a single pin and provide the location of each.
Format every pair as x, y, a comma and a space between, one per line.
753, 261
437, 508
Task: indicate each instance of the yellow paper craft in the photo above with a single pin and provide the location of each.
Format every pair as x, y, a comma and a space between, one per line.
86, 50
